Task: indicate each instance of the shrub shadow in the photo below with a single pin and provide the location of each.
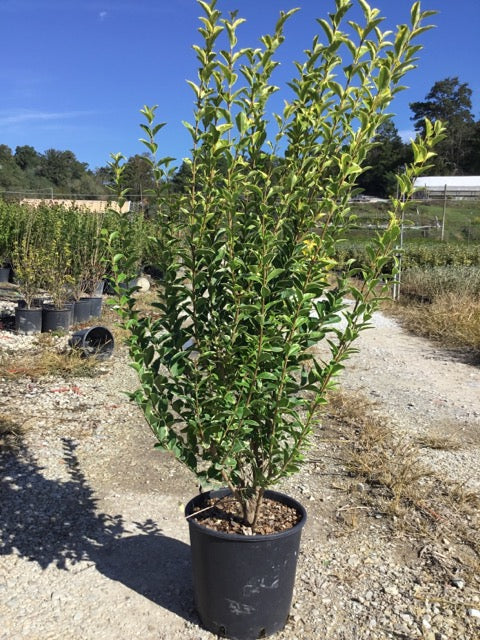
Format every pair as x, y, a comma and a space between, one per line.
56, 522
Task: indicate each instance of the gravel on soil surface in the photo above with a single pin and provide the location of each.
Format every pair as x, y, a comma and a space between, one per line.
94, 544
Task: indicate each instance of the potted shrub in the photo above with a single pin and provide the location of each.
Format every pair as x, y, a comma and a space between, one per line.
29, 255
8, 221
87, 266
55, 238
230, 378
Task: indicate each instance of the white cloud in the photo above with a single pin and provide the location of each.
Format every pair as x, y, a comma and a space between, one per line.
102, 15
26, 116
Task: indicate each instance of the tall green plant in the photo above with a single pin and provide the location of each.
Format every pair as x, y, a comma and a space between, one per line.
55, 240
228, 378
29, 254
87, 266
9, 213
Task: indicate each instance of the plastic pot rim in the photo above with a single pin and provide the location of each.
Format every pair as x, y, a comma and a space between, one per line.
237, 537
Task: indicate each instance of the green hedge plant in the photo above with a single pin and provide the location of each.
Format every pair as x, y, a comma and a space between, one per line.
29, 254
8, 231
228, 378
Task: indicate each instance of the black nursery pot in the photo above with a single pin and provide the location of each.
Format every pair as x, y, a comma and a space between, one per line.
93, 341
56, 319
28, 321
82, 310
243, 585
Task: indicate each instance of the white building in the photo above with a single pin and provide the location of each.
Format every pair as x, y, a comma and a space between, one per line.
448, 186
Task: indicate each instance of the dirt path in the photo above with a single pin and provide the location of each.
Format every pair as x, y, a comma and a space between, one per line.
94, 546
428, 392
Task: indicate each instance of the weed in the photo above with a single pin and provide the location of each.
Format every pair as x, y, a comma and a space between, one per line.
439, 443
47, 362
452, 319
10, 432
427, 508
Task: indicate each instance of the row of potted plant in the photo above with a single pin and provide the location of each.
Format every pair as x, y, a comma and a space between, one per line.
58, 253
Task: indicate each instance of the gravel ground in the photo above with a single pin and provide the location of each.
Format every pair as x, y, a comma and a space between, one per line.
93, 543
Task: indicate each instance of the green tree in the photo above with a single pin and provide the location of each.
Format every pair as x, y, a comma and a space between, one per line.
449, 101
384, 160
61, 168
138, 176
27, 158
472, 159
182, 179
11, 177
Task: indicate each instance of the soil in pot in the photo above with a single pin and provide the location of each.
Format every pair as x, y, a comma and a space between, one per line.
243, 583
224, 514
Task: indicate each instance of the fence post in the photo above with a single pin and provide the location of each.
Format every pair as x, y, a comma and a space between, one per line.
444, 212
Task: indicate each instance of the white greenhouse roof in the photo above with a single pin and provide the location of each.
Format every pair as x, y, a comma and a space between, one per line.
458, 183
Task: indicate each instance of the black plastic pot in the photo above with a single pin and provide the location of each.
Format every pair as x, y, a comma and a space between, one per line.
96, 307
28, 320
4, 274
81, 310
94, 341
243, 585
56, 319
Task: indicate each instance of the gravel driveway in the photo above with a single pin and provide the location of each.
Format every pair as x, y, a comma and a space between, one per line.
93, 543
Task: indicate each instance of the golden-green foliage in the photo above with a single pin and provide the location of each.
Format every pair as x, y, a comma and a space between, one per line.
246, 287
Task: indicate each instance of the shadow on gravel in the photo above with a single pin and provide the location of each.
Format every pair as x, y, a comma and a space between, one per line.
56, 522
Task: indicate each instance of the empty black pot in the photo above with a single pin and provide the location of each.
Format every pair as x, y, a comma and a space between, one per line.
94, 341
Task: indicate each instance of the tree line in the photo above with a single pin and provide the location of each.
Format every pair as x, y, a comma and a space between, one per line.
58, 173
448, 100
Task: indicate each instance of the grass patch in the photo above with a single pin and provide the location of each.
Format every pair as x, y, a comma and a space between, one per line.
45, 361
423, 219
433, 283
452, 319
389, 464
10, 432
438, 443
430, 510
442, 304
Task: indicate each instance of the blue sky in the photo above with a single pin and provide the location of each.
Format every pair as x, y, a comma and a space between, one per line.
75, 73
